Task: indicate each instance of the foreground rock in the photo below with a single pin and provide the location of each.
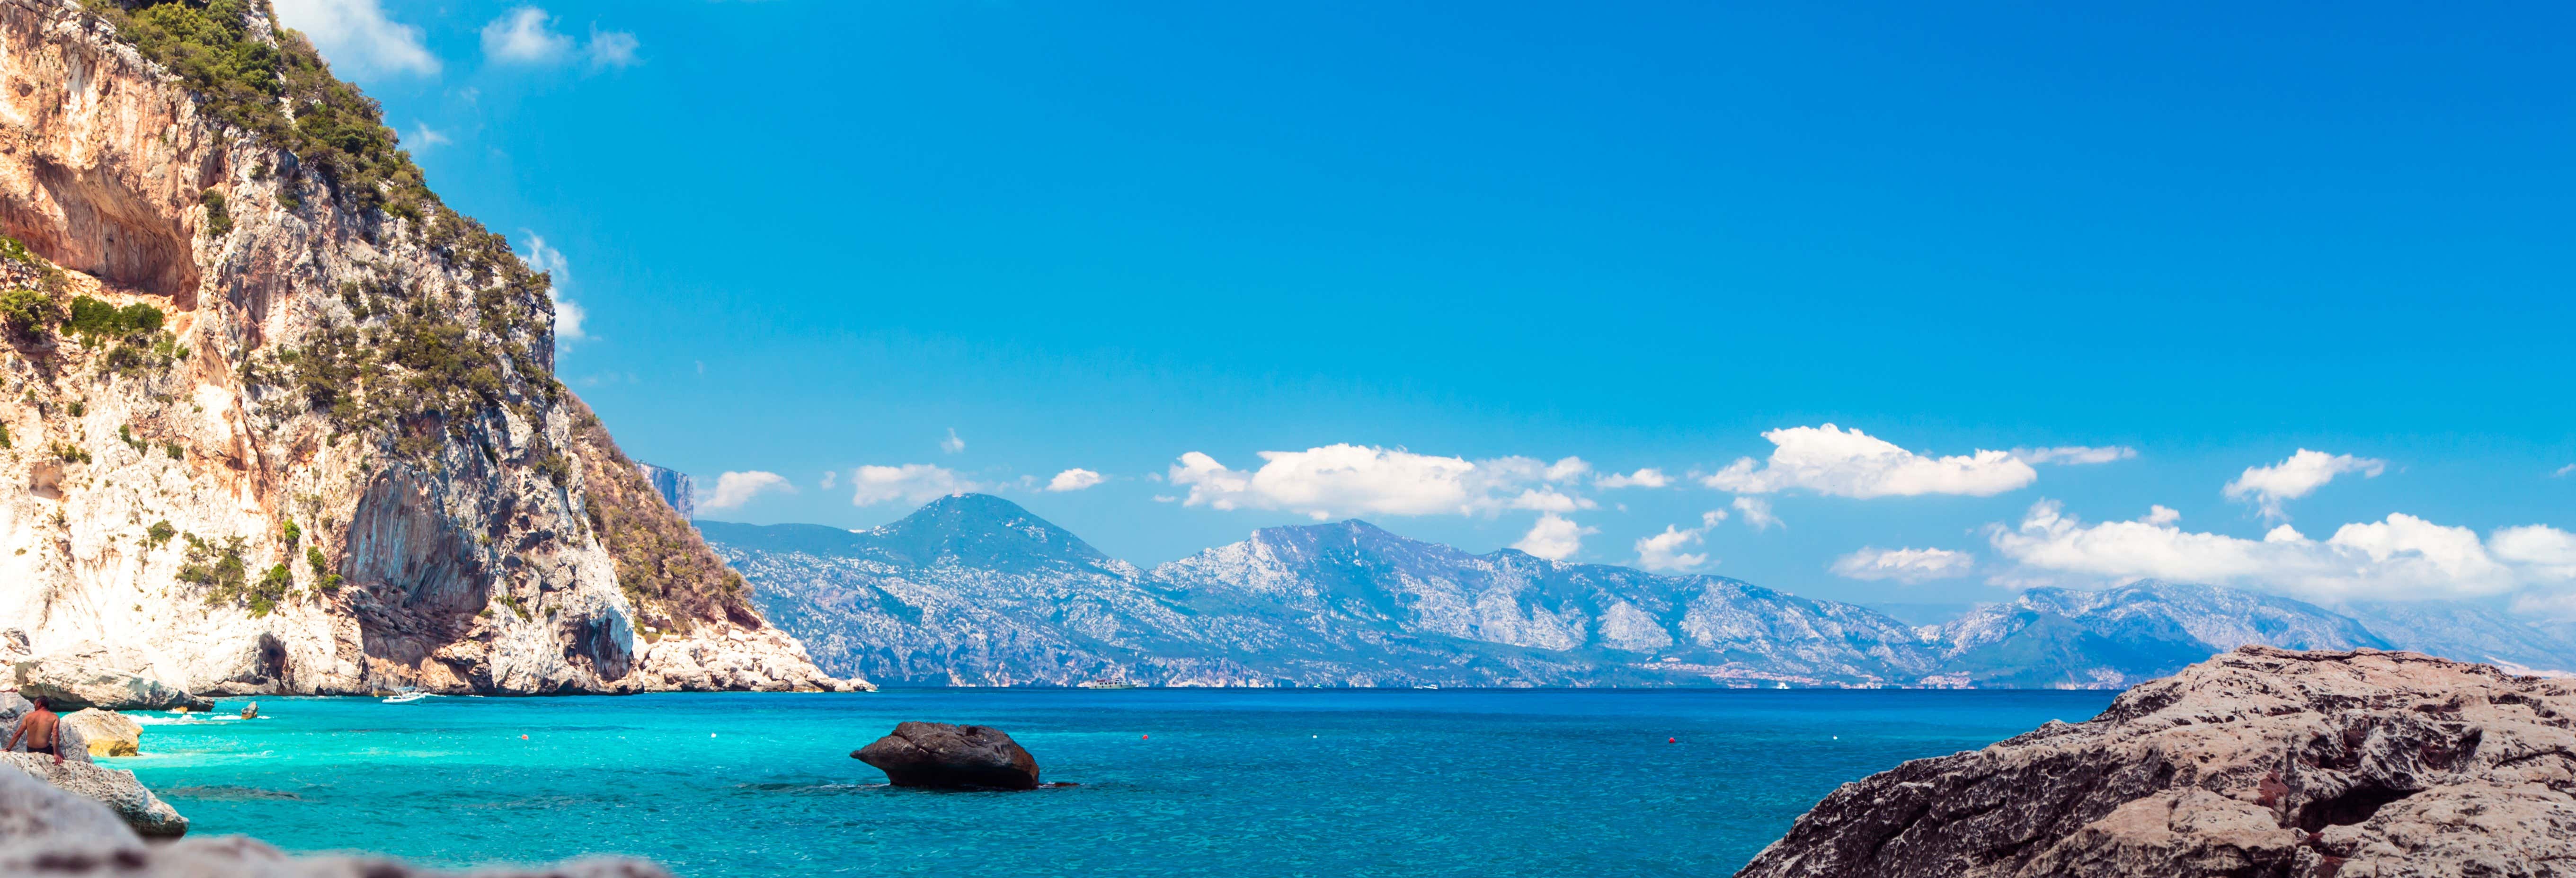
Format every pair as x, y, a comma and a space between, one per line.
2260, 762
943, 756
123, 796
44, 830
103, 733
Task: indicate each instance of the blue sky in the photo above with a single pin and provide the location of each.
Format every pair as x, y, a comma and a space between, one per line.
809, 237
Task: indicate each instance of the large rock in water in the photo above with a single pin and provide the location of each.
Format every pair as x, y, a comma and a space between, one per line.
2259, 762
103, 732
68, 683
946, 756
46, 831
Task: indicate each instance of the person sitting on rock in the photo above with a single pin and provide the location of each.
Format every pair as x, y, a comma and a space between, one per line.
40, 724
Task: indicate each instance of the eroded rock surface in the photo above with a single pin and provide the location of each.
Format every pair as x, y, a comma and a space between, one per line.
84, 678
2258, 762
103, 732
944, 756
47, 831
126, 797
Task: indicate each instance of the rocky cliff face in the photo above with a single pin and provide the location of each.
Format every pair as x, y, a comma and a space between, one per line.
278, 421
2260, 762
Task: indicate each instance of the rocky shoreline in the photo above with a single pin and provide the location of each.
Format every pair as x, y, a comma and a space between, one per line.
2257, 762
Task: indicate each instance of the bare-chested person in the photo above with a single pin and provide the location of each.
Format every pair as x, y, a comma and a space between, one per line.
43, 731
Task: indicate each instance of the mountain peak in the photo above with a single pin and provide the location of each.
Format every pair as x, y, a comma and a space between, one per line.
980, 530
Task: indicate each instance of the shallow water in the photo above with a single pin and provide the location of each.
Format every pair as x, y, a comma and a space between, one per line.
1244, 784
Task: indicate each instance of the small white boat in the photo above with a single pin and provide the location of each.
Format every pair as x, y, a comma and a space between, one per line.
1426, 685
407, 697
1119, 682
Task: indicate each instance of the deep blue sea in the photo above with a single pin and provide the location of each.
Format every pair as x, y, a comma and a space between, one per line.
1240, 784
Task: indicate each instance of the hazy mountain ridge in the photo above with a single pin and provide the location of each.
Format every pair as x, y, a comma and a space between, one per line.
972, 589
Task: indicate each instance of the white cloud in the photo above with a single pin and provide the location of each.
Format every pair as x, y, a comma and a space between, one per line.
1073, 480
1644, 478
2075, 454
1554, 537
1904, 565
909, 483
1663, 552
1567, 468
611, 48
2303, 472
1757, 513
1342, 480
1850, 463
2563, 471
2159, 514
2400, 557
357, 38
568, 314
829, 478
525, 35
423, 137
952, 444
734, 489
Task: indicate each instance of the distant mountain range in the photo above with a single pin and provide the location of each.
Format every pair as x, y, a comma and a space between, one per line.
974, 590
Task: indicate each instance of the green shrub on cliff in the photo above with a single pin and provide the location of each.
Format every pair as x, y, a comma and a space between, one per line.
95, 319
217, 221
29, 313
160, 533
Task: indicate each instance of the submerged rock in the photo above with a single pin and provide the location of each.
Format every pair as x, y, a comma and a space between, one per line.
45, 830
141, 811
104, 732
2257, 762
944, 756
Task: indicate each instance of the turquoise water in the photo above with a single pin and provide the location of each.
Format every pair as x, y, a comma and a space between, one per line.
1233, 783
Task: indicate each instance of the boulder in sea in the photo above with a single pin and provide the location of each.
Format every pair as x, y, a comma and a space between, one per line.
943, 756
142, 811
2260, 761
104, 732
74, 681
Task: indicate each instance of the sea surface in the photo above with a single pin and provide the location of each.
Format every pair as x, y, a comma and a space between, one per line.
1239, 784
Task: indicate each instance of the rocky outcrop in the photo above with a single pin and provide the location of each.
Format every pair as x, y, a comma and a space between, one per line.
104, 733
273, 419
2259, 762
943, 756
144, 812
47, 831
82, 678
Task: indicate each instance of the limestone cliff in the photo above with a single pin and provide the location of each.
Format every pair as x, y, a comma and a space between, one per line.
2259, 762
276, 420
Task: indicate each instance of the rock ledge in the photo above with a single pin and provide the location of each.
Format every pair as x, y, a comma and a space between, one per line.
2259, 762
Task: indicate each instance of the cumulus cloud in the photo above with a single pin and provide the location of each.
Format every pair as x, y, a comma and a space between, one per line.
909, 483
527, 36
2400, 557
2075, 454
2295, 477
734, 489
2159, 514
1341, 480
1644, 478
358, 38
1664, 553
1554, 537
568, 315
2563, 471
1904, 565
952, 444
1073, 480
1849, 463
1757, 513
1567, 468
830, 477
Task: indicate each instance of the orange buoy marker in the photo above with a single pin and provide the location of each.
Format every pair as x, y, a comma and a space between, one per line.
1672, 740
523, 737
1145, 737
